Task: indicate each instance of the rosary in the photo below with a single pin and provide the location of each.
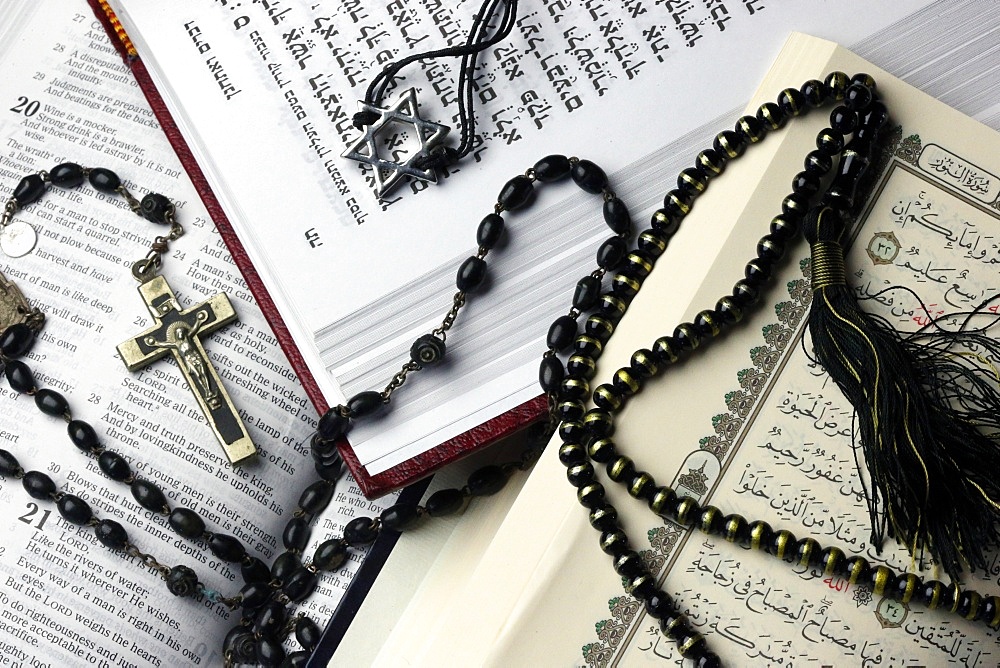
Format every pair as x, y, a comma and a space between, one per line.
267, 623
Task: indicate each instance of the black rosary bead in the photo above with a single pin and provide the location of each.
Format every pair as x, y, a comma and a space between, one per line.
601, 450
589, 176
736, 530
316, 497
562, 331
300, 585
686, 511
269, 618
149, 496
857, 97
444, 502
692, 182
830, 142
111, 534
330, 469
662, 502
687, 336
332, 425
270, 653
612, 307
296, 660
772, 116
427, 350
307, 633
611, 253
156, 209
707, 324
625, 383
16, 341
330, 555
573, 388
782, 227
588, 291
642, 586
571, 454
711, 521
552, 168
471, 274
9, 466
770, 248
226, 547
616, 216
604, 518
815, 92
637, 265
751, 129
620, 468
968, 604
607, 397
837, 83
667, 349
907, 586
361, 531
364, 403
580, 474
730, 143
643, 364
833, 560
38, 485
792, 102
486, 481
628, 565
591, 496
658, 604
284, 565
400, 517
186, 522
296, 534
989, 611
857, 569
114, 465
795, 206
241, 644
807, 552
182, 581
642, 486
589, 346
582, 366
673, 624
758, 271
710, 162
254, 595
490, 231
572, 431
254, 570
817, 163
744, 294
882, 581
66, 175
761, 535
625, 286
82, 435
19, 376
677, 203
104, 180
51, 402
708, 660
516, 193
691, 645
728, 311
570, 410
805, 183
844, 120
651, 243
29, 190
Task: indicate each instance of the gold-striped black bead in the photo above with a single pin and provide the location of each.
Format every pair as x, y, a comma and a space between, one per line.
864, 79
614, 542
857, 569
728, 311
637, 265
771, 115
882, 580
643, 363
932, 594
591, 496
641, 485
687, 336
621, 468
686, 511
794, 205
792, 101
662, 502
991, 606
652, 243
783, 545
736, 529
837, 83
760, 534
599, 423
612, 307
580, 474
751, 128
641, 586
570, 410
625, 382
677, 202
830, 142
575, 388
907, 586
571, 454
585, 344
968, 604
710, 162
707, 324
807, 551
729, 143
602, 450
666, 349
711, 520
581, 365
670, 626
599, 327
692, 181
691, 644
604, 518
624, 284
832, 560
607, 397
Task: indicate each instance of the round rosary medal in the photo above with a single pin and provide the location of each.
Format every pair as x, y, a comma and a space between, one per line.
17, 239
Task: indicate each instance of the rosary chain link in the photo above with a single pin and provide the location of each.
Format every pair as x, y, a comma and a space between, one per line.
398, 380
148, 560
9, 209
449, 318
133, 203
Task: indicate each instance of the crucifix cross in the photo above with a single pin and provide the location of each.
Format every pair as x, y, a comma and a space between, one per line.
178, 332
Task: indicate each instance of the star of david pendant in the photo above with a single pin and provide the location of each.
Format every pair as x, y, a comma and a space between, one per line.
389, 131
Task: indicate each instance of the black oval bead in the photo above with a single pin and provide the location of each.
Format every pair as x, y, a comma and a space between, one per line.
254, 595
316, 497
66, 175
29, 190
51, 402
148, 495
82, 435
307, 633
471, 274
550, 373
330, 470
270, 618
16, 341
296, 534
364, 403
9, 466
254, 570
186, 522
156, 208
226, 547
104, 180
588, 291
74, 509
241, 644
444, 502
298, 659
114, 465
516, 193
269, 653
330, 555
332, 425
38, 485
589, 176
300, 585
486, 481
490, 231
285, 564
400, 517
611, 253
427, 350
19, 376
561, 333
552, 168
111, 534
616, 215
360, 531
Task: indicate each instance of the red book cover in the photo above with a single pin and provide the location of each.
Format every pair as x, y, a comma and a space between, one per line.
371, 485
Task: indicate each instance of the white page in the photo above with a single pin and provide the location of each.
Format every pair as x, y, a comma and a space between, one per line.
356, 302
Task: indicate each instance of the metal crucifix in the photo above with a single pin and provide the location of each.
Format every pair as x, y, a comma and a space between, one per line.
178, 332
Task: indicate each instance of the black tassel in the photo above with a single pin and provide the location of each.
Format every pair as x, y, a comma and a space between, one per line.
926, 403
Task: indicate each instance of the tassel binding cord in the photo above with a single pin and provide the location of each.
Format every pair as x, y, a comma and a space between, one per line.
926, 407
